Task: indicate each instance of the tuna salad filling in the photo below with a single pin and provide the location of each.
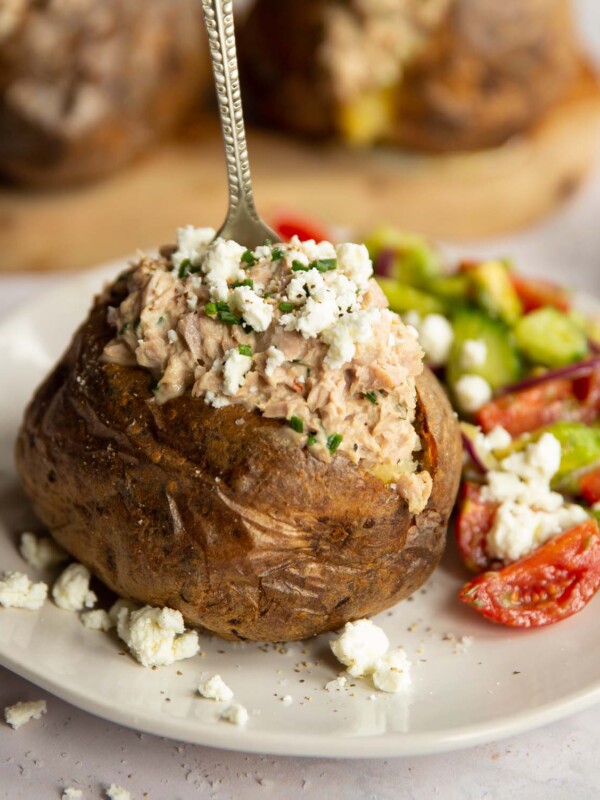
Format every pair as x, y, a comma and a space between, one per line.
299, 332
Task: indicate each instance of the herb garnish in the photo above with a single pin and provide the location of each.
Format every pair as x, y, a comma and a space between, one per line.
222, 311
248, 282
298, 266
334, 441
245, 350
311, 439
249, 258
276, 253
296, 424
323, 264
371, 397
286, 307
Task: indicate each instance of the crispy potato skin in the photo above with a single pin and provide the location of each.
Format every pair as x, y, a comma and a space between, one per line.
214, 512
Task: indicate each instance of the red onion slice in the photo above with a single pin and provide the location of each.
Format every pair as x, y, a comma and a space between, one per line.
576, 370
384, 263
469, 446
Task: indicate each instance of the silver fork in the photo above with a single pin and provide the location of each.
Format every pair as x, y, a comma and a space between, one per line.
242, 223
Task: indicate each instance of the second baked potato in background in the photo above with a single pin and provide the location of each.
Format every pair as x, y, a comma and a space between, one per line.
85, 85
442, 75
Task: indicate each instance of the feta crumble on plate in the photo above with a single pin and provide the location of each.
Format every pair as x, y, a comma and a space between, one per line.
115, 792
236, 713
71, 591
156, 637
97, 620
215, 688
21, 713
41, 552
17, 590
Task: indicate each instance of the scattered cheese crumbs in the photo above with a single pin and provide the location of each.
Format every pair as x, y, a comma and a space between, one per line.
364, 649
234, 370
472, 392
72, 794
236, 714
71, 590
222, 265
23, 712
436, 337
529, 512
215, 688
393, 672
464, 644
354, 262
41, 552
156, 637
360, 647
115, 792
97, 620
346, 333
287, 700
275, 358
473, 354
336, 684
18, 591
172, 335
256, 312
497, 439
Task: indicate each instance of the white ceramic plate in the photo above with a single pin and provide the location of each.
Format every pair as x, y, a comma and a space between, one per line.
503, 683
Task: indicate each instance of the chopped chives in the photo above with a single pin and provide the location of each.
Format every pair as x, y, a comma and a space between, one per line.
323, 264
286, 307
210, 309
245, 350
311, 440
298, 266
371, 397
248, 282
296, 424
249, 258
276, 254
334, 441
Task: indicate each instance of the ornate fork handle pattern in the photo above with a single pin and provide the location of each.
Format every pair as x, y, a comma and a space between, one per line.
242, 219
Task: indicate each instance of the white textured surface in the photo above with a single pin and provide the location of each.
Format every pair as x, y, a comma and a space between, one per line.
70, 748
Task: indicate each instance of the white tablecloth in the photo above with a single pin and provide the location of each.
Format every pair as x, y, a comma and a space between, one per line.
71, 748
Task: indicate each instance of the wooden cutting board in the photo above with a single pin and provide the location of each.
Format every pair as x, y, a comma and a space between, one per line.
183, 181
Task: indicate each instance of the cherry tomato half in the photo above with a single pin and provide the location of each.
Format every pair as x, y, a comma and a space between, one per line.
304, 229
555, 581
590, 486
536, 293
474, 519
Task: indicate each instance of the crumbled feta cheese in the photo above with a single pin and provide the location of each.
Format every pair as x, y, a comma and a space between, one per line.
97, 620
538, 461
41, 552
435, 337
21, 713
346, 333
497, 439
287, 700
472, 392
234, 371
262, 252
172, 335
71, 590
316, 250
256, 312
191, 244
113, 611
18, 591
392, 673
115, 792
275, 358
222, 265
314, 317
156, 636
360, 647
355, 263
518, 529
344, 290
71, 793
215, 688
473, 354
215, 400
336, 684
236, 714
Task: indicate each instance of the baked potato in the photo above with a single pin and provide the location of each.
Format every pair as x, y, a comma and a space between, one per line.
438, 76
222, 512
85, 85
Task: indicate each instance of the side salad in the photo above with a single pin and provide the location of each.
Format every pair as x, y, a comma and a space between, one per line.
522, 368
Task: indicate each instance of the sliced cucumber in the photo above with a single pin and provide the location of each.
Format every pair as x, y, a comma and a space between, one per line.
501, 364
451, 288
550, 337
402, 298
494, 292
580, 447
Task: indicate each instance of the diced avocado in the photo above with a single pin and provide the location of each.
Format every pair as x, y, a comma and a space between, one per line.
403, 298
367, 118
493, 290
550, 337
501, 364
580, 447
415, 261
